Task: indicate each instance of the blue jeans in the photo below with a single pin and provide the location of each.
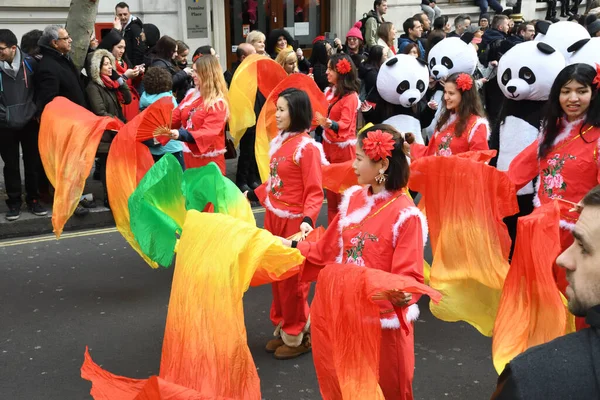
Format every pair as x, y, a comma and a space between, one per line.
484, 4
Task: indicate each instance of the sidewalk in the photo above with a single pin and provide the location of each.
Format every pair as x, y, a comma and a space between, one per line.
31, 225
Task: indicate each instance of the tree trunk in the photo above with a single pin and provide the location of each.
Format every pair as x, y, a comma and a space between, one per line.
80, 25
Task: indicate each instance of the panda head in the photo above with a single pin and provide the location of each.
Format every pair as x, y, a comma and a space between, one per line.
402, 80
562, 35
450, 56
586, 51
527, 71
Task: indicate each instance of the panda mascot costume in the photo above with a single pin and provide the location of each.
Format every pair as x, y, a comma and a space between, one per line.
449, 56
585, 51
525, 75
402, 83
560, 35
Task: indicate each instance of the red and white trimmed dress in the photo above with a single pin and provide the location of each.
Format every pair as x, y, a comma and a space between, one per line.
206, 125
387, 232
445, 142
293, 193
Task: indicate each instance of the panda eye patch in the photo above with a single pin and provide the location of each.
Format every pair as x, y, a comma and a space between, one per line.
403, 87
421, 86
432, 63
446, 62
506, 76
527, 75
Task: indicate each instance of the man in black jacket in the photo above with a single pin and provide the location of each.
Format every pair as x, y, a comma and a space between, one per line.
18, 126
56, 74
131, 29
567, 367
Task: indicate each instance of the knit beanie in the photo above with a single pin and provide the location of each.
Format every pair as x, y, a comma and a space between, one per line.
594, 28
355, 31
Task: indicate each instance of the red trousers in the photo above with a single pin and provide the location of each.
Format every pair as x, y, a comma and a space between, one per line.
336, 154
290, 296
197, 162
397, 363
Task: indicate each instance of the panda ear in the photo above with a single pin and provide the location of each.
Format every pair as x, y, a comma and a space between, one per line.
467, 37
577, 45
542, 27
545, 48
422, 62
391, 61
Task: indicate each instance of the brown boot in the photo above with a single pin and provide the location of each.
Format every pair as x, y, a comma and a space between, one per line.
273, 345
286, 352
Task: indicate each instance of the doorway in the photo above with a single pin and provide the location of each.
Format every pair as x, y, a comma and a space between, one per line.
303, 19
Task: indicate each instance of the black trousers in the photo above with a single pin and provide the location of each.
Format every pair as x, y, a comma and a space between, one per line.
247, 169
525, 208
27, 139
551, 11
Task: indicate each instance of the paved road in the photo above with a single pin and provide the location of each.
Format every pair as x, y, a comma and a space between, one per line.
91, 289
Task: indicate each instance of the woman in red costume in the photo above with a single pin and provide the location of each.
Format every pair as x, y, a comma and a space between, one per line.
565, 156
462, 125
378, 226
339, 127
292, 196
199, 121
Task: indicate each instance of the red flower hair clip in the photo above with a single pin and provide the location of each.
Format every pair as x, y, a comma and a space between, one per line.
596, 80
464, 82
378, 145
343, 66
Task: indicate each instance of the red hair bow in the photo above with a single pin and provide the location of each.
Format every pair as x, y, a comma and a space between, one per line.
464, 82
343, 66
596, 80
378, 145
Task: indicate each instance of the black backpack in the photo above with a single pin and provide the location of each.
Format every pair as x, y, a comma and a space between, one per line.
363, 22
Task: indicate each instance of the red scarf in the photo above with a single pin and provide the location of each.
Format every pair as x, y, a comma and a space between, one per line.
130, 82
114, 86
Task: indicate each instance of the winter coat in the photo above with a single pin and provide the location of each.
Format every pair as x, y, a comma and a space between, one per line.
56, 75
386, 48
371, 25
405, 41
17, 105
182, 82
104, 101
135, 48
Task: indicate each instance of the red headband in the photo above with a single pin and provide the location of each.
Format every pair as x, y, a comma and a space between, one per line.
378, 145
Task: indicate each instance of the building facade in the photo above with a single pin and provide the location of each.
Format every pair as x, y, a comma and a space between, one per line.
224, 23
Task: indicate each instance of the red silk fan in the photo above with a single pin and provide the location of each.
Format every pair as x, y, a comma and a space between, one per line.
156, 121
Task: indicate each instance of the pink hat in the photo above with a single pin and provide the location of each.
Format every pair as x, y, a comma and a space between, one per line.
355, 31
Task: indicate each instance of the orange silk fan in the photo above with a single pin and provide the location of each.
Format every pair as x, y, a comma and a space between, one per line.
157, 121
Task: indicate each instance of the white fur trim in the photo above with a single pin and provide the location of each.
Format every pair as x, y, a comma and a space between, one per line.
210, 154
404, 215
566, 225
478, 122
412, 314
305, 142
450, 121
341, 145
564, 134
278, 212
390, 323
278, 141
515, 135
536, 198
187, 102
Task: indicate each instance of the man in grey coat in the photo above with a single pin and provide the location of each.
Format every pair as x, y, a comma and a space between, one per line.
374, 19
567, 367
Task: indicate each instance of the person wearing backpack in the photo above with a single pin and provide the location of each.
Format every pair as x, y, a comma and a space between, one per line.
372, 20
19, 126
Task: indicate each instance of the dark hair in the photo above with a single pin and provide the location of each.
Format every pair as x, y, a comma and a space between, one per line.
398, 172
551, 123
440, 22
122, 5
152, 35
29, 42
346, 83
434, 38
8, 37
375, 56
411, 46
419, 17
182, 46
470, 104
271, 42
201, 51
461, 18
299, 109
157, 80
592, 198
319, 53
110, 40
498, 19
408, 24
377, 3
165, 47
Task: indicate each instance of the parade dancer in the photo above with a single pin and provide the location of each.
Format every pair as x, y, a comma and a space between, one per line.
199, 121
292, 196
378, 226
339, 126
461, 127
